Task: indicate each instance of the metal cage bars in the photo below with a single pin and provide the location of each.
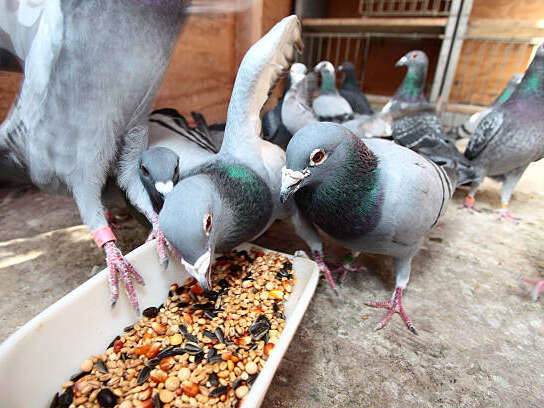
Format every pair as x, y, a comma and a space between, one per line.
402, 8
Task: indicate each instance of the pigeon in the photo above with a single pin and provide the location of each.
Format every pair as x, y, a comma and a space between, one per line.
232, 196
351, 92
273, 128
81, 114
329, 105
296, 109
510, 136
467, 128
415, 123
368, 196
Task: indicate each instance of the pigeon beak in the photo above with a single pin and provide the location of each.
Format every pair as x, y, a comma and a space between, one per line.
402, 62
164, 188
291, 181
340, 68
201, 270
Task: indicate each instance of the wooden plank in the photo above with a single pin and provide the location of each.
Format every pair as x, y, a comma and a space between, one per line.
506, 28
423, 25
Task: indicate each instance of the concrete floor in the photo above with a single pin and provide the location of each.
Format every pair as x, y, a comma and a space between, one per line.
481, 338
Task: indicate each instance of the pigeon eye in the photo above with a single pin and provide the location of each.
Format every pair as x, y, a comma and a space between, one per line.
207, 223
414, 56
144, 169
317, 157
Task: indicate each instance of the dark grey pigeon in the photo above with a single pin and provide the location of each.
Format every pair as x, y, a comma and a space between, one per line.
511, 136
467, 128
92, 69
329, 105
351, 92
420, 128
273, 128
230, 197
373, 196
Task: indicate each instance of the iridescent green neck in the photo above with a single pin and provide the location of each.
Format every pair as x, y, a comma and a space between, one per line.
349, 80
504, 96
327, 82
533, 80
412, 85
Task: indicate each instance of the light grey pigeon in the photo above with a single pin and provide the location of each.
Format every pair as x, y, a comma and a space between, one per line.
511, 136
351, 92
467, 128
82, 110
415, 122
373, 196
329, 104
296, 109
232, 196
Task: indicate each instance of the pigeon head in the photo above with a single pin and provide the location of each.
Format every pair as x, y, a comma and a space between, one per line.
314, 153
349, 72
326, 69
190, 221
532, 83
413, 59
297, 72
159, 172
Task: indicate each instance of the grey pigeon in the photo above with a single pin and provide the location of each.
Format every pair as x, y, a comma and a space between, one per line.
417, 126
273, 128
159, 173
82, 110
329, 105
467, 128
351, 92
296, 109
511, 136
232, 196
373, 196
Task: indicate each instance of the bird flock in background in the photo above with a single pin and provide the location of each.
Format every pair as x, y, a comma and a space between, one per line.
373, 182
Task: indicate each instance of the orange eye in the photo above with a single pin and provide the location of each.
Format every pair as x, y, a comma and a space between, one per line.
318, 156
414, 56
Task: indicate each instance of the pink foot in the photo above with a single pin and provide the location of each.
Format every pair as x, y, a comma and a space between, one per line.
162, 244
469, 204
325, 269
394, 305
538, 284
345, 268
505, 214
118, 265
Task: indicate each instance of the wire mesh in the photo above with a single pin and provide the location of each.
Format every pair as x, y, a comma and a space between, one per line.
403, 8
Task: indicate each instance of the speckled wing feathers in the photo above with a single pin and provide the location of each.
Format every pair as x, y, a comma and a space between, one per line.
488, 127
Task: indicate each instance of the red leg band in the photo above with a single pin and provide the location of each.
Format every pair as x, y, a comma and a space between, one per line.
103, 235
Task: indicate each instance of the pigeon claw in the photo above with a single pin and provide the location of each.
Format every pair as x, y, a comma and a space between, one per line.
162, 245
325, 269
393, 306
538, 286
505, 214
119, 267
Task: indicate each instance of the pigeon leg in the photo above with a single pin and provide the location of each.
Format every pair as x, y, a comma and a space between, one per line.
162, 248
510, 181
402, 268
538, 286
347, 266
118, 266
469, 200
318, 255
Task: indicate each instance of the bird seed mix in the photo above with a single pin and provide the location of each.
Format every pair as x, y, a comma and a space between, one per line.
197, 349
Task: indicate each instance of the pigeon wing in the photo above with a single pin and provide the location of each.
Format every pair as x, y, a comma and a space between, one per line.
488, 127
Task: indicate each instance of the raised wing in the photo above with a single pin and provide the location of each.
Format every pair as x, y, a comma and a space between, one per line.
488, 127
259, 72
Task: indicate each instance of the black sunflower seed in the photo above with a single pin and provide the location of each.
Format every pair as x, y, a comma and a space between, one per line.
106, 398
213, 379
113, 341
218, 303
170, 293
77, 376
193, 297
207, 314
144, 375
211, 353
211, 295
223, 283
153, 362
193, 348
210, 335
277, 312
199, 357
124, 357
157, 403
151, 312
181, 305
252, 378
215, 359
219, 335
235, 268
218, 391
128, 328
66, 398
190, 337
101, 366
248, 277
237, 383
204, 306
164, 352
183, 329
55, 402
260, 335
180, 290
254, 346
